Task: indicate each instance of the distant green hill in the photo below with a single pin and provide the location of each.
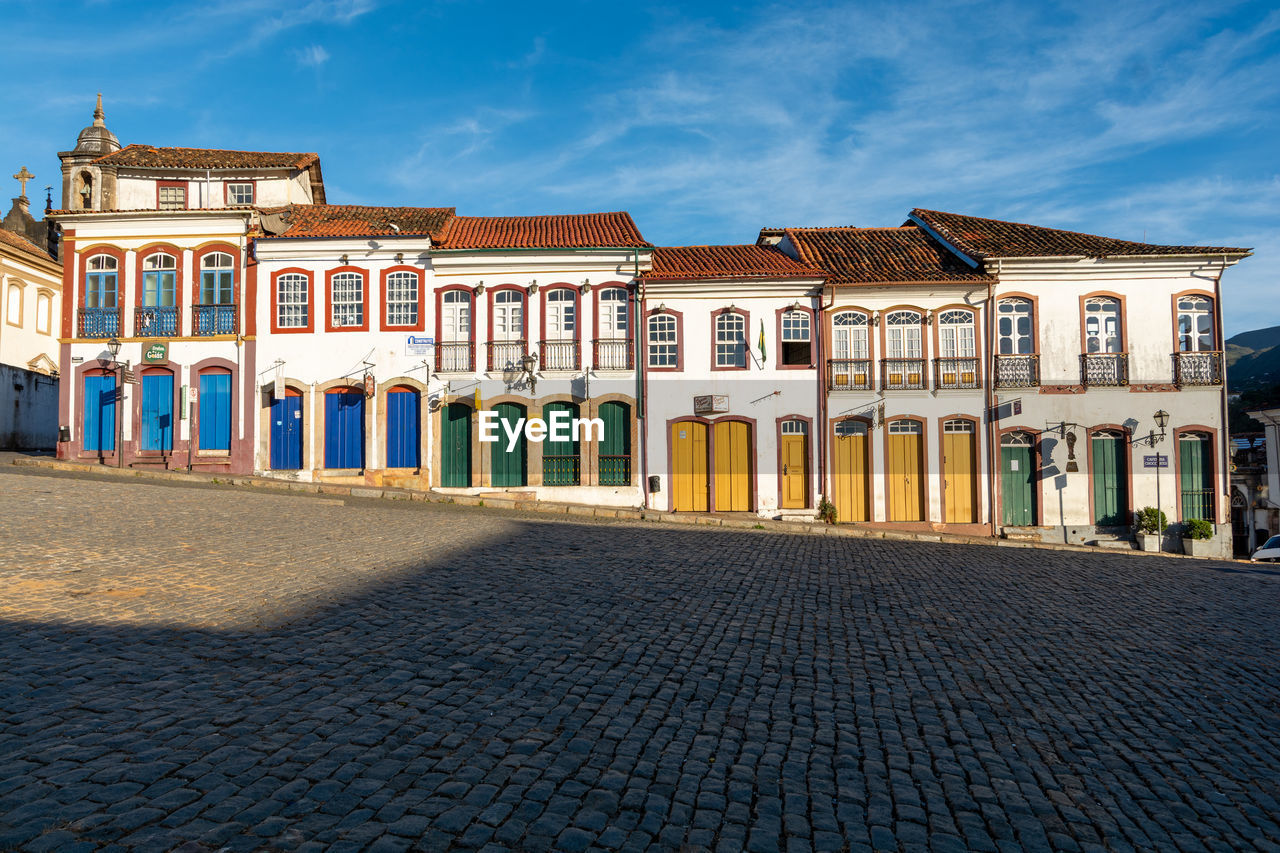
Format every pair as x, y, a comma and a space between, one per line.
1253, 359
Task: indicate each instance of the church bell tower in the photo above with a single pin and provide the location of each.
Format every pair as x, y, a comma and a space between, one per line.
86, 185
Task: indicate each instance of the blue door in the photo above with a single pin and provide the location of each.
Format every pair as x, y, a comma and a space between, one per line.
402, 428
100, 413
286, 433
344, 429
215, 411
157, 411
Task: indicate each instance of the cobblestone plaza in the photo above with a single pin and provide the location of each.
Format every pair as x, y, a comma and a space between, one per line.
209, 667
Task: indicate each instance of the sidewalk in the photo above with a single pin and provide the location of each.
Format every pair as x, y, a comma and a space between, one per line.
500, 501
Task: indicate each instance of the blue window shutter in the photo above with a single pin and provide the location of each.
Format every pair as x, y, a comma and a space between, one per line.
215, 411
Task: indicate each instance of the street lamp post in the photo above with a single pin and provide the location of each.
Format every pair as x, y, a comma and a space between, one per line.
113, 347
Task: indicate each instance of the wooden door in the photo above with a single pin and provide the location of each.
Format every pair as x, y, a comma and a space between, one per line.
733, 466
286, 431
403, 419
689, 484
795, 464
905, 449
850, 473
343, 429
1017, 480
1110, 481
509, 465
960, 471
455, 446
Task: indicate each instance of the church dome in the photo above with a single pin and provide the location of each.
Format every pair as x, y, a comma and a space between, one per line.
96, 139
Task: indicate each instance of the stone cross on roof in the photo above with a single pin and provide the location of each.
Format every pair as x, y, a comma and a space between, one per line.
22, 177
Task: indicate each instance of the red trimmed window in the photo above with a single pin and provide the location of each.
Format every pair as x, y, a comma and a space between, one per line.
291, 309
348, 289
171, 195
402, 298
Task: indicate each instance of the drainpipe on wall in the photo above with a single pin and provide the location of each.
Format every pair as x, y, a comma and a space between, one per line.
990, 382
821, 324
1222, 401
642, 382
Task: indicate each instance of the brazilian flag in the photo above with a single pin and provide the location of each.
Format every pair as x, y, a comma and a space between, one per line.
763, 357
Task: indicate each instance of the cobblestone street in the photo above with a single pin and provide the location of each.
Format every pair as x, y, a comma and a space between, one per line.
210, 667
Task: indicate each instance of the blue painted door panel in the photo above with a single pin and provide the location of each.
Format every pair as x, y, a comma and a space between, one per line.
100, 413
402, 429
157, 411
215, 411
344, 430
286, 434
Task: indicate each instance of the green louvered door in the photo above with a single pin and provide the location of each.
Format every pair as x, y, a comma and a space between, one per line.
560, 459
1195, 470
455, 446
1110, 481
508, 465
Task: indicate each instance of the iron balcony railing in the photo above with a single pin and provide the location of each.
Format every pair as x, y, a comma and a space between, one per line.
560, 470
902, 374
455, 357
506, 355
612, 354
558, 355
849, 374
155, 322
213, 320
1197, 368
1197, 503
615, 470
1017, 371
955, 372
1104, 368
99, 322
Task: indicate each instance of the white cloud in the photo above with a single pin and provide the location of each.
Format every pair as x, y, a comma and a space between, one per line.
313, 56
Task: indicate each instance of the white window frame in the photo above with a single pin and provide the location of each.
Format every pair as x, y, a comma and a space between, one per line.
346, 297
292, 310
956, 335
614, 316
663, 334
852, 340
233, 189
177, 199
1199, 307
902, 335
508, 316
731, 340
402, 301
1009, 339
1103, 328
561, 319
455, 316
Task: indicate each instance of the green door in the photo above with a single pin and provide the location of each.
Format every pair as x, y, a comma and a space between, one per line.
615, 451
1195, 471
560, 458
1110, 482
455, 446
508, 466
1017, 480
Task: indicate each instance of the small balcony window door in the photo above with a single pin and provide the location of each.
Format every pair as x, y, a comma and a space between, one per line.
613, 314
731, 340
216, 279
1195, 324
955, 334
797, 348
101, 288
561, 321
508, 316
664, 342
902, 335
850, 339
1013, 327
1102, 325
291, 301
348, 299
455, 326
159, 279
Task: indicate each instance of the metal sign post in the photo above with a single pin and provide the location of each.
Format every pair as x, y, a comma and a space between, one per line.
1157, 461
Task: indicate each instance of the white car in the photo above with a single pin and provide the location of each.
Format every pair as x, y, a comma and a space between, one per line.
1268, 553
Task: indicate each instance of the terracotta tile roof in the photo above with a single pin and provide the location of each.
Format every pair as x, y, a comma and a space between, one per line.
993, 238
150, 157
699, 262
871, 255
22, 244
573, 231
353, 220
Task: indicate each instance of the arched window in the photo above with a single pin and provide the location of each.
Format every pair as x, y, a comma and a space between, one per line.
347, 298
453, 350
159, 277
613, 313
850, 339
796, 337
86, 191
508, 315
957, 362
216, 279
402, 298
664, 342
1102, 325
44, 310
561, 321
13, 305
902, 335
292, 311
1014, 319
100, 316
1195, 324
731, 340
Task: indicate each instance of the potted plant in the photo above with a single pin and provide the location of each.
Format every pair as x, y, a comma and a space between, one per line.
1197, 539
1150, 522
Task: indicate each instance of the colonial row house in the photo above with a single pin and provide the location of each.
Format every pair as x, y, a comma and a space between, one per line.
952, 373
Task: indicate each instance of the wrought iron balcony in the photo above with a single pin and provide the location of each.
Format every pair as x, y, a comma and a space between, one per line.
560, 470
506, 355
99, 322
209, 320
902, 374
558, 355
156, 322
615, 470
1197, 503
612, 354
1017, 371
1100, 369
455, 357
1197, 368
849, 374
955, 372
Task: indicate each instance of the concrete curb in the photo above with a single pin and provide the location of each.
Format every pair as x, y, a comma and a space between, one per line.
575, 510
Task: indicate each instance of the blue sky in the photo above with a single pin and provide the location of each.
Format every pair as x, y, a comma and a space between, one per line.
708, 121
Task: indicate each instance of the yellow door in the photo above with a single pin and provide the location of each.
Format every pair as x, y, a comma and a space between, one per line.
733, 466
959, 472
795, 467
689, 466
906, 481
849, 473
